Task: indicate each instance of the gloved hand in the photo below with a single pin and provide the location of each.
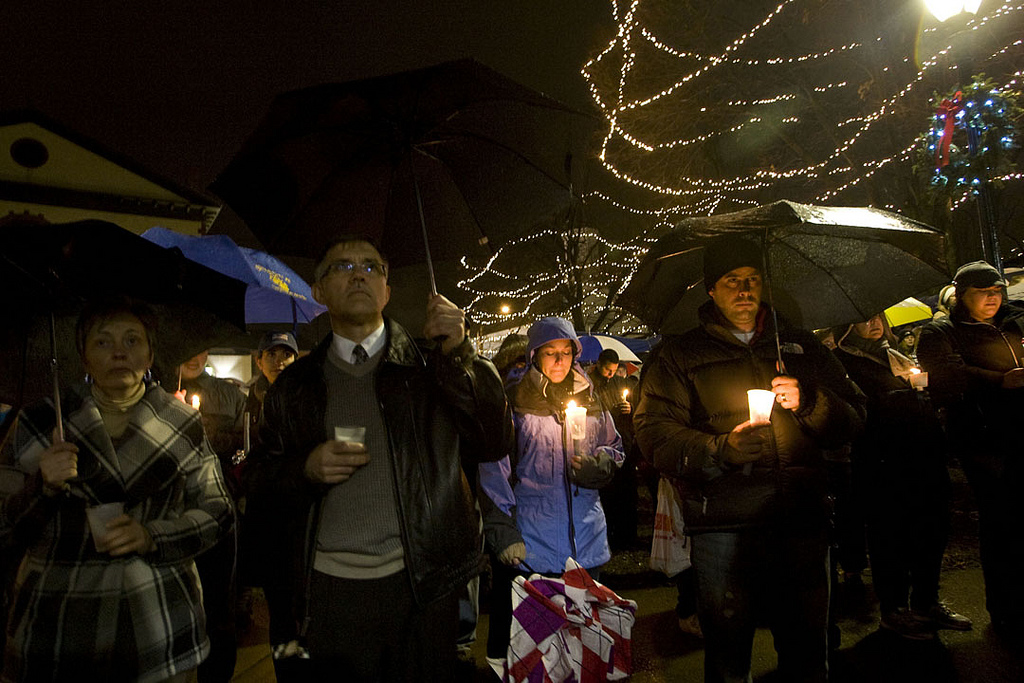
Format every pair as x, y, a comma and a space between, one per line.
514, 554
593, 470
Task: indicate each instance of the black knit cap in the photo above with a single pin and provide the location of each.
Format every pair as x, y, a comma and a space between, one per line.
977, 274
728, 253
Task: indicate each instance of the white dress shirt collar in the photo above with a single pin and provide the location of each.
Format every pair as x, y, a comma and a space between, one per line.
373, 343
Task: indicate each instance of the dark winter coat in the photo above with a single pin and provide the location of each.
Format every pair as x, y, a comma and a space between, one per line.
966, 360
694, 393
439, 411
901, 425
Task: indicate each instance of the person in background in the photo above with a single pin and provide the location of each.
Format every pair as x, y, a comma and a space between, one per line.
548, 488
755, 498
510, 359
120, 601
221, 405
619, 498
276, 351
366, 438
901, 462
973, 359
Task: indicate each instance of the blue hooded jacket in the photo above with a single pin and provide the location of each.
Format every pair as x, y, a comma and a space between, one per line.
556, 509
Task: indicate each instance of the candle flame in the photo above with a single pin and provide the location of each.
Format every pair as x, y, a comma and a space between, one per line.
570, 404
915, 371
625, 393
195, 401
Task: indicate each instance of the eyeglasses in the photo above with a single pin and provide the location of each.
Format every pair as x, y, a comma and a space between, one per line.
347, 268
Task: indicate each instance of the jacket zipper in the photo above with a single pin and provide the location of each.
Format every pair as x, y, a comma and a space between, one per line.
566, 465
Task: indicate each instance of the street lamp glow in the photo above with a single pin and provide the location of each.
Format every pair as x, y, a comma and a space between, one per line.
944, 9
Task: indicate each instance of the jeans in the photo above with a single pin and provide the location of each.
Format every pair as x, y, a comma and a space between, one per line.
752, 577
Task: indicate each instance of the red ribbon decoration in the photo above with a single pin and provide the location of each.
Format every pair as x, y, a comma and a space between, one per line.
947, 110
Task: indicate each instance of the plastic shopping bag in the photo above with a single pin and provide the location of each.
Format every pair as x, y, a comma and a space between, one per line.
670, 548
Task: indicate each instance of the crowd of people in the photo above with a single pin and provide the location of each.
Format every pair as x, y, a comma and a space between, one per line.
364, 486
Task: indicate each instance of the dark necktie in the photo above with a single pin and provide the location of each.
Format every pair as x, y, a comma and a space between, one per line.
359, 355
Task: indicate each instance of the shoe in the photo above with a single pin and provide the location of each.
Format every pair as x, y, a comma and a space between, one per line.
940, 615
691, 625
903, 624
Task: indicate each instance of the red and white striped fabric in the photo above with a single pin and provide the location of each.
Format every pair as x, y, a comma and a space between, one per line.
568, 629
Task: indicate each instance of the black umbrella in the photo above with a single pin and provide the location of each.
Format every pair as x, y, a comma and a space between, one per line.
48, 271
455, 150
825, 265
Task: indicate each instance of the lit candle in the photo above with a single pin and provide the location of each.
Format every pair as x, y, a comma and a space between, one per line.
195, 401
625, 393
576, 418
760, 403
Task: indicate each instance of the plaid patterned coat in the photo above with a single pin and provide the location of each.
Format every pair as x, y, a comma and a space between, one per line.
79, 614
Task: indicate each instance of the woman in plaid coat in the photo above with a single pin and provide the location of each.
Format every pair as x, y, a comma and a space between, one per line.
131, 610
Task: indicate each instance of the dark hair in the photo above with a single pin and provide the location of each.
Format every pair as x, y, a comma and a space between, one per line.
607, 356
321, 266
101, 310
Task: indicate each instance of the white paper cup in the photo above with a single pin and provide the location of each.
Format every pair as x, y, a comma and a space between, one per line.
760, 403
99, 516
919, 380
350, 434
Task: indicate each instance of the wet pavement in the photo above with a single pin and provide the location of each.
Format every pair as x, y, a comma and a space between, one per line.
661, 652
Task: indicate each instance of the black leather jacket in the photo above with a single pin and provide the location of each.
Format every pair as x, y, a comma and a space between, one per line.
439, 411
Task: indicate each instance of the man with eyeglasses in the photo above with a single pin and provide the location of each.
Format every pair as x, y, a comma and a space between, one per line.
366, 438
754, 496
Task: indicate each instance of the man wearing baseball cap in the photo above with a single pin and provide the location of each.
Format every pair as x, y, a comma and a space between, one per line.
975, 364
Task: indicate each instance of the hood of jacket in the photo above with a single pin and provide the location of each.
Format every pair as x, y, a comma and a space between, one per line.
548, 330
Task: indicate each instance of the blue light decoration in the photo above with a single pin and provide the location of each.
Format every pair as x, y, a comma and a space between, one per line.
970, 146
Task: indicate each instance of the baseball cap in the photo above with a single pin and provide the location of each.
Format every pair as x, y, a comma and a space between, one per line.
272, 339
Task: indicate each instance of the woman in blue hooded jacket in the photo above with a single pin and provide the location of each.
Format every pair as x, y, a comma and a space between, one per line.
546, 506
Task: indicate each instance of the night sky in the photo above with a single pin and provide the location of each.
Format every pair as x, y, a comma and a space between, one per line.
178, 85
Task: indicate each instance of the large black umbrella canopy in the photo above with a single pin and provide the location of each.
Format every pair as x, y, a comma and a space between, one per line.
50, 271
485, 157
826, 265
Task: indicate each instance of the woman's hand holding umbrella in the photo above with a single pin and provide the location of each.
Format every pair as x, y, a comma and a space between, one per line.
57, 464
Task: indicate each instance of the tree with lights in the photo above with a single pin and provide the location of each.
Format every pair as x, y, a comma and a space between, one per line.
565, 269
719, 106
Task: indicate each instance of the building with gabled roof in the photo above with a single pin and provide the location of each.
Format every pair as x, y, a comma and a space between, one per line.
51, 172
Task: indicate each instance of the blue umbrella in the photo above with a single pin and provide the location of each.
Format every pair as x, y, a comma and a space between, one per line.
276, 294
